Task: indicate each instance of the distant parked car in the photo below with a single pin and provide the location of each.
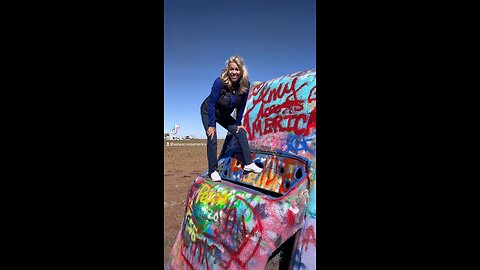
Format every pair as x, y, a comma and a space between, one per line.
244, 220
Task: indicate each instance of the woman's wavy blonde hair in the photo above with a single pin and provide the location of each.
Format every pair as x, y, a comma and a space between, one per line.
243, 76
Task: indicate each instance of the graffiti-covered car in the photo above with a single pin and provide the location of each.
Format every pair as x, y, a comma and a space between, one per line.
240, 222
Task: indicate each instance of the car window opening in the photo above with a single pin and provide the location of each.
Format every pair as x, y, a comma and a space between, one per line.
280, 173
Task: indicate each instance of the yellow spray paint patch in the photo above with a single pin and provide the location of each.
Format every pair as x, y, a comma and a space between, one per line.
207, 195
191, 229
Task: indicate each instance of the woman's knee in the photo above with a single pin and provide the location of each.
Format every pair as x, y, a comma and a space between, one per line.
241, 133
211, 141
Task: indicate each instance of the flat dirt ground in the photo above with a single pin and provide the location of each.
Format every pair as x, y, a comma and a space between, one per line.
185, 160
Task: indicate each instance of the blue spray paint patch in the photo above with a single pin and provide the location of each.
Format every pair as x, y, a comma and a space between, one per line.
312, 204
297, 143
297, 261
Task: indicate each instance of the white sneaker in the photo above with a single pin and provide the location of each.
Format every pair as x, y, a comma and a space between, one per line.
215, 177
252, 167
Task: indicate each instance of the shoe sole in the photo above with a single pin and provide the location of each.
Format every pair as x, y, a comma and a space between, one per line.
252, 171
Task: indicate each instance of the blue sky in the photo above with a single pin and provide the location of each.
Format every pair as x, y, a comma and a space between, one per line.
275, 37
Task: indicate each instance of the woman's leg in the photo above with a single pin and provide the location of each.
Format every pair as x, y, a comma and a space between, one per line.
229, 124
211, 146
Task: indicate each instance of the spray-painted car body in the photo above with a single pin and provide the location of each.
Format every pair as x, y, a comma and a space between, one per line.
239, 222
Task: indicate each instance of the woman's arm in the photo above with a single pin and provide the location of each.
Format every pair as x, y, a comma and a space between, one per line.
242, 108
214, 94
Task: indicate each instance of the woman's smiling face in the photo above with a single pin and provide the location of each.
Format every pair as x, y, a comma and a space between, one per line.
234, 72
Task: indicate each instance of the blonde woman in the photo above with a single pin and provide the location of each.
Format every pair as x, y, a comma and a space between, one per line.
229, 92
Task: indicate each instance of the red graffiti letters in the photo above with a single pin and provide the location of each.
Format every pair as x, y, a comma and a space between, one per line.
276, 116
309, 238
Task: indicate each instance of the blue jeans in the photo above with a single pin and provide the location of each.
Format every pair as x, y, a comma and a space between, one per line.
228, 122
